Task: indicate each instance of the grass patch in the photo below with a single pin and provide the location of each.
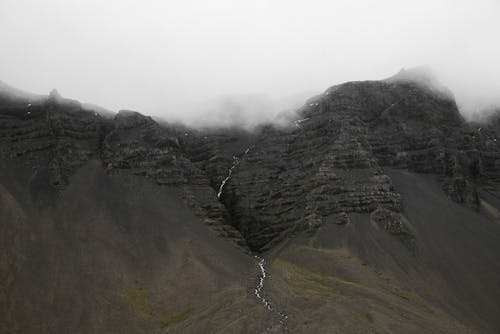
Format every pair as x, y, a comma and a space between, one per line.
413, 299
138, 299
172, 319
340, 253
305, 282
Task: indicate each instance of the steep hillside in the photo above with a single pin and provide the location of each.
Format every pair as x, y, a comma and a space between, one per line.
375, 210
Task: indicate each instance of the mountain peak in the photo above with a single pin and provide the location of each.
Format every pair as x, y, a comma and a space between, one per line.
55, 95
424, 76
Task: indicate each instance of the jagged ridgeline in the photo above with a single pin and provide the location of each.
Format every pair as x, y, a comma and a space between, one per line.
342, 161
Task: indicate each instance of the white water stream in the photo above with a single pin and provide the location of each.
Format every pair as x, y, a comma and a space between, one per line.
260, 284
259, 294
260, 261
236, 162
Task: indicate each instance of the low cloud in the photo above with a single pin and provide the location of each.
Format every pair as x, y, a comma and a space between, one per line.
225, 61
242, 111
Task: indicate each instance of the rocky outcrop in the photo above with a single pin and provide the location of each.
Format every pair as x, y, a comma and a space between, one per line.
395, 224
54, 137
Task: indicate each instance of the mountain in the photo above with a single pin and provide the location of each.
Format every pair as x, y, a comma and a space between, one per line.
13, 96
374, 210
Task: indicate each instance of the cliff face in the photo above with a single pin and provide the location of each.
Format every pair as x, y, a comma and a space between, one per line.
340, 165
331, 161
322, 166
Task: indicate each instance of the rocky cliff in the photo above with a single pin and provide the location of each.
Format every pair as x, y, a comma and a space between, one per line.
332, 168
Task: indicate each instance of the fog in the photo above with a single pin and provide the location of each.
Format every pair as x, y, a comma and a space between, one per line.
199, 61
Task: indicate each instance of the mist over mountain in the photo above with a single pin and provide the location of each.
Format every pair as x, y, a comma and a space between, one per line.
249, 166
241, 111
253, 110
373, 207
174, 59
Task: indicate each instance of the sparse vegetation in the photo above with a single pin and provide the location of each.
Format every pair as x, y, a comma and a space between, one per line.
368, 316
305, 282
138, 299
167, 319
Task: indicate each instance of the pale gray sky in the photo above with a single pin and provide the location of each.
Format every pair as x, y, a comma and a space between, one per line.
169, 57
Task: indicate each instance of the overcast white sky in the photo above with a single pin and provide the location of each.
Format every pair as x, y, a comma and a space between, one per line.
169, 57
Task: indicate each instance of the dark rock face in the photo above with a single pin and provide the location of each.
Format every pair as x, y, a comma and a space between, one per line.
316, 171
330, 162
55, 137
484, 135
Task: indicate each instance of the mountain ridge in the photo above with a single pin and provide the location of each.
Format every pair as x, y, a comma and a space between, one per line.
335, 180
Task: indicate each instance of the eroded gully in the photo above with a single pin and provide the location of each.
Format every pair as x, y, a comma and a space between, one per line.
261, 262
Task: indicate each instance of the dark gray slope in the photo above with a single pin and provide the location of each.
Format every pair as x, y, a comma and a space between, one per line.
115, 254
455, 263
457, 245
